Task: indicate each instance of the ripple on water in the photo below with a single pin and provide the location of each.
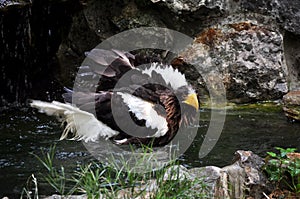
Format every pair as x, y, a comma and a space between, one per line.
66, 155
5, 163
23, 131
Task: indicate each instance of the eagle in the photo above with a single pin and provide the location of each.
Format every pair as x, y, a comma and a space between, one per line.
119, 99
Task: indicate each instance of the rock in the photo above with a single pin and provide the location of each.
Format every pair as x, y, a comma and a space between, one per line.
244, 177
145, 191
286, 12
288, 15
177, 172
179, 6
246, 55
292, 98
55, 196
291, 106
231, 30
210, 176
292, 58
293, 156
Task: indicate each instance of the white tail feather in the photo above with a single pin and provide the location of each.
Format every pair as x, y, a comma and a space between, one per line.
82, 124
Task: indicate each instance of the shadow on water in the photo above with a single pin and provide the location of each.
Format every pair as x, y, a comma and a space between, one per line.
23, 131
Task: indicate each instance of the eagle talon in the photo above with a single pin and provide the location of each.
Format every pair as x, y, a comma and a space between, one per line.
121, 142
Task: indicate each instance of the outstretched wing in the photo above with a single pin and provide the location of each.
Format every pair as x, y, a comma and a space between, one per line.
131, 114
101, 69
83, 125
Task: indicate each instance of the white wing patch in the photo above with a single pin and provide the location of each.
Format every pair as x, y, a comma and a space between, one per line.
171, 76
82, 124
143, 110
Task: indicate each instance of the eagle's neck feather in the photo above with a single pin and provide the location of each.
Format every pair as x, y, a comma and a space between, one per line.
169, 74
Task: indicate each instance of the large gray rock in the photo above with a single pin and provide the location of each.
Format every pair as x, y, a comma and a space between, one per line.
242, 179
246, 55
246, 49
286, 12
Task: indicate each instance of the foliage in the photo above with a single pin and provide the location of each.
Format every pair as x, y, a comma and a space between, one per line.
284, 170
27, 191
96, 180
175, 187
55, 178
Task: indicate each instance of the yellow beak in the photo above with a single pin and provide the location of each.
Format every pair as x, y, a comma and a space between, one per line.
192, 100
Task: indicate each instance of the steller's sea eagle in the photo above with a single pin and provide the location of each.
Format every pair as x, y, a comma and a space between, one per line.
156, 97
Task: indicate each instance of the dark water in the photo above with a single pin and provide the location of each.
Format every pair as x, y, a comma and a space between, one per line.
23, 132
258, 128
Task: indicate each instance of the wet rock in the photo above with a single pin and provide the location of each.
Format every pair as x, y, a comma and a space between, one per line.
291, 106
246, 55
244, 177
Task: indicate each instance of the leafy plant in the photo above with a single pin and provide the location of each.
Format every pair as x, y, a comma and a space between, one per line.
282, 169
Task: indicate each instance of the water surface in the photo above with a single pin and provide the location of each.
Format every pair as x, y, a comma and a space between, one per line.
23, 131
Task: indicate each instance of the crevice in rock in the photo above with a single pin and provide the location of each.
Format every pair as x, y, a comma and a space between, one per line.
292, 57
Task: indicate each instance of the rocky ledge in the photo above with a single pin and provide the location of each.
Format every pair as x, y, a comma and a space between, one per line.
244, 178
291, 106
254, 45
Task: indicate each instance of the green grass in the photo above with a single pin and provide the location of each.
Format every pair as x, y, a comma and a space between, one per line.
109, 180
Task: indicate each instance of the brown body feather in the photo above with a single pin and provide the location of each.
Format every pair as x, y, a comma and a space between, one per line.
113, 65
